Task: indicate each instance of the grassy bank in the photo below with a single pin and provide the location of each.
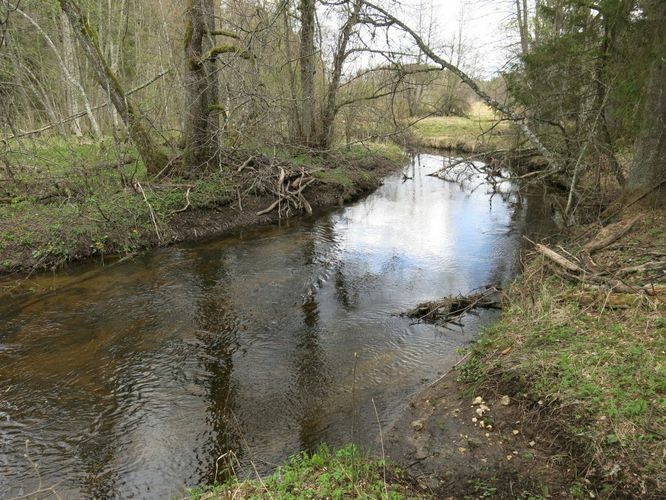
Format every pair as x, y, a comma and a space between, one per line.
64, 201
345, 473
476, 132
587, 364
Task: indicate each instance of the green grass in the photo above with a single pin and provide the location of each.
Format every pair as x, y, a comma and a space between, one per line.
365, 150
337, 175
345, 473
355, 152
598, 373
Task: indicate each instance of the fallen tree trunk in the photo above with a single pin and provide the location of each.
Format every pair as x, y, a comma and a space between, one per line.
610, 234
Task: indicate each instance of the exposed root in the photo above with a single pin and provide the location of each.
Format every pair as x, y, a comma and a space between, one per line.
287, 184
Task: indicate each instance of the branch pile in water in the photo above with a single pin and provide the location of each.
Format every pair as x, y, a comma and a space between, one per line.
451, 308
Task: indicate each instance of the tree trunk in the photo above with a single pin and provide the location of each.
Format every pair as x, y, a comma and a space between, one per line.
201, 86
69, 58
521, 16
295, 131
647, 175
307, 64
152, 157
75, 83
602, 83
330, 109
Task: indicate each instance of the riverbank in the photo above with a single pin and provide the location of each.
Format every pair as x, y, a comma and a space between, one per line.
565, 394
79, 201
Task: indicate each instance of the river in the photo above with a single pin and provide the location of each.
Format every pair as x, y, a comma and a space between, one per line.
133, 379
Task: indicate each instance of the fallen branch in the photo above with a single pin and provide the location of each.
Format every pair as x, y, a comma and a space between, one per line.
648, 266
612, 299
269, 208
609, 234
187, 205
245, 164
555, 257
152, 214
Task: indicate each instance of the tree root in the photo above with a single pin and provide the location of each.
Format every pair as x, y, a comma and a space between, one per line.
287, 185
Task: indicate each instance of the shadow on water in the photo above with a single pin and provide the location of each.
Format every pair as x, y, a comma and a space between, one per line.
133, 380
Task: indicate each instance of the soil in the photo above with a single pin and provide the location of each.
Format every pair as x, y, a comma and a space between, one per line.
441, 441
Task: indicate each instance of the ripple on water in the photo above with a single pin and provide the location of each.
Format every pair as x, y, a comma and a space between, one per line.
132, 380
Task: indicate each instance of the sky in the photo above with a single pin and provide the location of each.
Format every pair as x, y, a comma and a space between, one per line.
485, 28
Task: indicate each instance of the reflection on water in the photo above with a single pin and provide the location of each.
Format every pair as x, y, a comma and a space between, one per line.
134, 380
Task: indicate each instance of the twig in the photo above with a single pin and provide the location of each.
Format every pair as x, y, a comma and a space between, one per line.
381, 440
152, 214
246, 163
187, 198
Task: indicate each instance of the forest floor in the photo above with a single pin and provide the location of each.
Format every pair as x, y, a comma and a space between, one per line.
62, 201
565, 396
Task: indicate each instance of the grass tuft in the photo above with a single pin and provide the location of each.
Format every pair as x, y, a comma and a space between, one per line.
345, 473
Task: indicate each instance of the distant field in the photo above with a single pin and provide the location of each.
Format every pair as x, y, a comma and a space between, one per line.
477, 132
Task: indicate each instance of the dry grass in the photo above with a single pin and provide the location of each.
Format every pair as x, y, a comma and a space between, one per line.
595, 372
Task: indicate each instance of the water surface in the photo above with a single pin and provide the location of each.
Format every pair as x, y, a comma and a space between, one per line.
131, 381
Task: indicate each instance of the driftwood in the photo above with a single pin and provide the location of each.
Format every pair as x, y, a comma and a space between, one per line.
449, 309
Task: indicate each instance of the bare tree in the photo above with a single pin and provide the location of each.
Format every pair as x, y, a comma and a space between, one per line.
388, 20
523, 27
71, 79
307, 65
330, 106
153, 158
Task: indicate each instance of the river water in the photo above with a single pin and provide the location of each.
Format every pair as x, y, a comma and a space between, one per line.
131, 380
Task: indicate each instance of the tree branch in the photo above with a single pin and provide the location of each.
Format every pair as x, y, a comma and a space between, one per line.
512, 115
